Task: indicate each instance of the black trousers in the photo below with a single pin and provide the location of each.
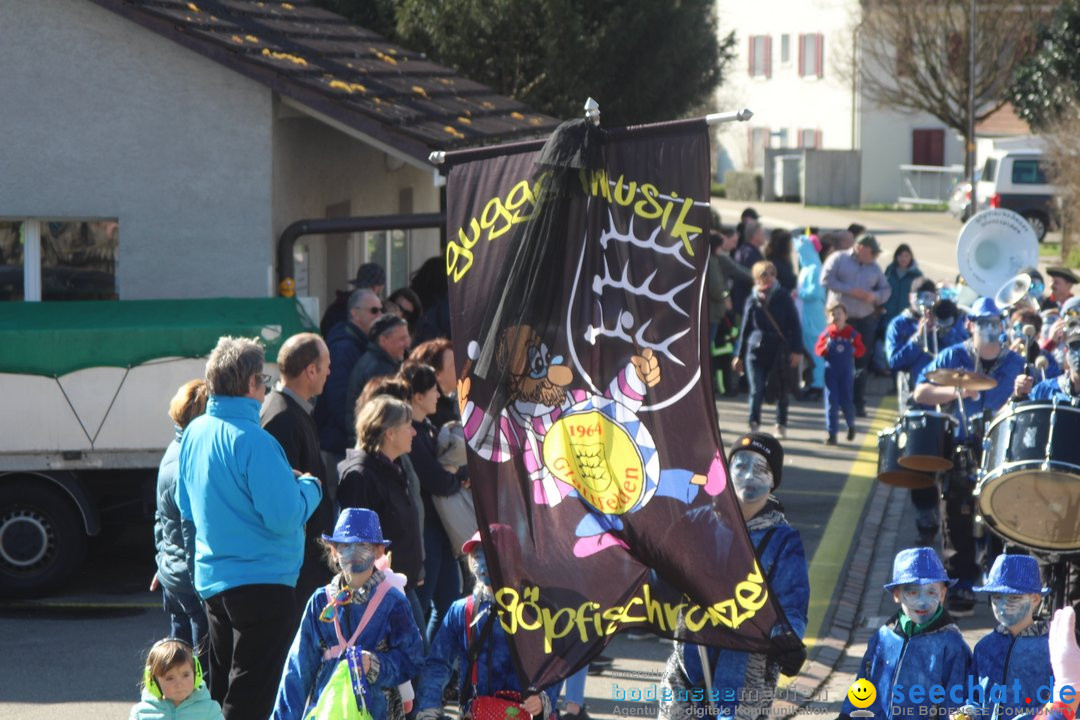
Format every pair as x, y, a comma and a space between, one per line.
866, 327
958, 534
251, 629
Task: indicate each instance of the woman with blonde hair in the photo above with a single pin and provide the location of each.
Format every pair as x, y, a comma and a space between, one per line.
372, 477
186, 615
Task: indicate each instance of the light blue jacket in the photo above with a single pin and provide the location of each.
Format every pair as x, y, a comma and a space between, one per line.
390, 635
198, 706
894, 662
812, 293
1001, 659
245, 510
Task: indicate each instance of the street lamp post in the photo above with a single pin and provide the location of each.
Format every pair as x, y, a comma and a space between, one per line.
970, 148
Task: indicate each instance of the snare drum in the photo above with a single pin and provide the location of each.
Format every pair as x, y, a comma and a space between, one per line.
1029, 487
890, 471
926, 441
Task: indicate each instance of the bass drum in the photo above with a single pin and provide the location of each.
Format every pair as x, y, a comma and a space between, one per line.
889, 470
1029, 491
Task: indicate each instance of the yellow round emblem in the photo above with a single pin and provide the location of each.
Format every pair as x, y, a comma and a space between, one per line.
598, 458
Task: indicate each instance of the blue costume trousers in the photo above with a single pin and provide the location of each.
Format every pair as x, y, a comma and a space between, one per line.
839, 393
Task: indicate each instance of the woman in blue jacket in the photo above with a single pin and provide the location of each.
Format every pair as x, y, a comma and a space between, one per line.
361, 607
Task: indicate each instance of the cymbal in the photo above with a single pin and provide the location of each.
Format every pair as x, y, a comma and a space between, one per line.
965, 379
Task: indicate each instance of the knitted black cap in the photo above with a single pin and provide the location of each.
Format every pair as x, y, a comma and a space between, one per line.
765, 445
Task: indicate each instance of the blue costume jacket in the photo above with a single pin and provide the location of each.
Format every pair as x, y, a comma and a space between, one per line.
1004, 370
894, 662
812, 293
783, 561
904, 348
391, 636
1001, 659
450, 651
1058, 388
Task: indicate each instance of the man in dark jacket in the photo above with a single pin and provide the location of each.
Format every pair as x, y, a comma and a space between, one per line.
370, 276
304, 363
384, 355
346, 341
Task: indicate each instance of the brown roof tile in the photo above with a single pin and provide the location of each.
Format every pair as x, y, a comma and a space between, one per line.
343, 71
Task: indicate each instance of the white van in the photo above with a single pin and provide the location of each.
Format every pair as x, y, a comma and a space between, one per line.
1015, 179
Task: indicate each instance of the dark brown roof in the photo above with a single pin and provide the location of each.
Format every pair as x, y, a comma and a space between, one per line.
345, 72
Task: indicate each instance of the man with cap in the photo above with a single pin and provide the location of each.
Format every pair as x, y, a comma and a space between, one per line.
1062, 280
919, 646
389, 342
983, 353
756, 466
1017, 651
369, 276
854, 279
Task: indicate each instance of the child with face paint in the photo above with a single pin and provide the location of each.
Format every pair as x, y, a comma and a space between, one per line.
363, 606
471, 620
921, 645
1018, 649
755, 468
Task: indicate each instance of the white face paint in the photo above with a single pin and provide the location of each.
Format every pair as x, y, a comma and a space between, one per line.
751, 476
920, 602
478, 565
1010, 609
355, 559
988, 331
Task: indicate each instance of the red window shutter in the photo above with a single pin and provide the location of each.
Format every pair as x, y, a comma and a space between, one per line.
817, 138
799, 132
768, 56
820, 55
802, 56
750, 57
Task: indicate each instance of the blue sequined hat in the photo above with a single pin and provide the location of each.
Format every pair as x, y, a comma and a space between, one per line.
917, 566
357, 525
1014, 575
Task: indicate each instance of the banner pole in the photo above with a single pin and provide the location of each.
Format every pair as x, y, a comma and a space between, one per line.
442, 157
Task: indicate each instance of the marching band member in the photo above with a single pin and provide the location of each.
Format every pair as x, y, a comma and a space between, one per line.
1063, 388
904, 338
983, 353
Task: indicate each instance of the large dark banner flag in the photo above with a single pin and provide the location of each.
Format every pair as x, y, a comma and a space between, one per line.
577, 282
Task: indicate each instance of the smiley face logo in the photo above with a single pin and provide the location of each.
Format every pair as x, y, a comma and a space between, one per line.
862, 693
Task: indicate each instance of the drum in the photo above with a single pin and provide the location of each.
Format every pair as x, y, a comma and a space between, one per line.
926, 441
1029, 486
889, 470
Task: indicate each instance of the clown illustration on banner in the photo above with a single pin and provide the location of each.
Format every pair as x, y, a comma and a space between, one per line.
576, 279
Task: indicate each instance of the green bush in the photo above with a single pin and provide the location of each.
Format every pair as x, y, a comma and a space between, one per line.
742, 185
717, 189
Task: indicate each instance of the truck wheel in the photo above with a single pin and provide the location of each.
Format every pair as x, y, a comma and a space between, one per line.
41, 538
1038, 223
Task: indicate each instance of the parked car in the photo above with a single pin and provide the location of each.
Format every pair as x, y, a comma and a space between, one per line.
1015, 179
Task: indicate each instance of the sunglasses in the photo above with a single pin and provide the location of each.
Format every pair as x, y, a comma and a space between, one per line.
376, 310
264, 380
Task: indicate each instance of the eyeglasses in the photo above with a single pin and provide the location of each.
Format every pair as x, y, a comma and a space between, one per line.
376, 310
264, 379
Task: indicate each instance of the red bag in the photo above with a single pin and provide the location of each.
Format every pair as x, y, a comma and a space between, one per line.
503, 705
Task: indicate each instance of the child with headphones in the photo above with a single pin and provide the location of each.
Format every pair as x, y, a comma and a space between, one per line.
173, 685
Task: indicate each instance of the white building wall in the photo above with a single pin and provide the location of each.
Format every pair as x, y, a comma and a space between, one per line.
317, 167
786, 101
105, 119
